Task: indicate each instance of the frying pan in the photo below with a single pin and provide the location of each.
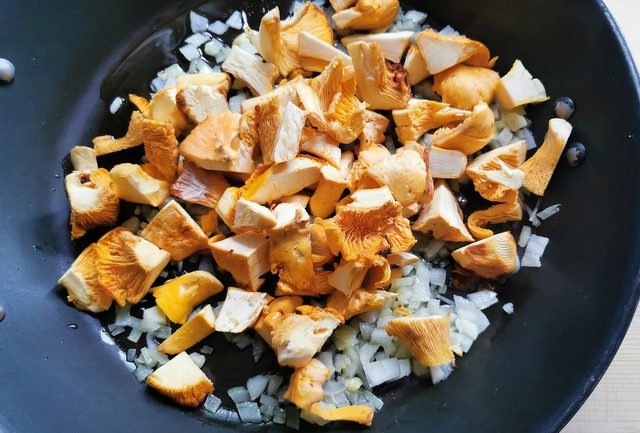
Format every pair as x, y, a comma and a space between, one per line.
527, 373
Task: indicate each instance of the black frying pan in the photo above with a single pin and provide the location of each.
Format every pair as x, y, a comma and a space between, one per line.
527, 372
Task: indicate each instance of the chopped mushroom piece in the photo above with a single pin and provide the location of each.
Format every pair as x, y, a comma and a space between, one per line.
141, 104
371, 223
362, 414
83, 158
471, 135
330, 187
314, 54
181, 380
498, 213
422, 115
273, 313
375, 126
415, 65
105, 144
446, 164
197, 102
358, 302
466, 86
382, 86
259, 76
321, 253
325, 147
346, 164
240, 310
287, 140
402, 259
173, 230
226, 207
518, 87
393, 45
331, 103
284, 94
252, 216
164, 108
427, 338
161, 149
290, 247
128, 265
219, 80
348, 276
441, 51
192, 332
94, 200
277, 42
367, 15
245, 256
495, 174
178, 297
208, 222
540, 167
299, 199
490, 258
200, 186
83, 285
339, 5
305, 385
405, 173
298, 337
281, 180
369, 155
216, 144
136, 186
443, 217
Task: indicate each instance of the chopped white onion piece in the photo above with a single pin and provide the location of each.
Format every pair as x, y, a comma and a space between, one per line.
366, 352
256, 385
174, 71
526, 135
239, 394
189, 52
116, 104
212, 403
141, 373
327, 359
218, 27
274, 384
508, 308
134, 335
353, 384
345, 336
438, 277
503, 137
279, 416
467, 328
448, 30
534, 251
249, 412
131, 355
235, 101
222, 55
213, 47
372, 399
416, 17
549, 212
483, 298
534, 212
525, 234
198, 22
440, 373
198, 359
385, 370
198, 39
235, 20
268, 400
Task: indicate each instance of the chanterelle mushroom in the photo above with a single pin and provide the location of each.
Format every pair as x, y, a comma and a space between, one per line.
216, 144
197, 185
495, 174
466, 86
471, 135
428, 338
498, 213
245, 256
83, 158
540, 167
258, 75
128, 265
178, 297
358, 302
94, 200
393, 44
314, 54
277, 42
273, 313
382, 86
298, 337
518, 87
136, 186
422, 115
305, 385
370, 223
367, 15
197, 102
443, 217
164, 108
240, 310
415, 65
181, 380
200, 326
330, 187
490, 258
83, 285
441, 52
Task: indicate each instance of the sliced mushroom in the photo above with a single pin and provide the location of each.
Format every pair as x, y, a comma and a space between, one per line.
315, 54
415, 65
178, 297
518, 87
442, 217
367, 15
226, 206
330, 188
421, 116
490, 258
286, 143
173, 230
382, 86
259, 76
471, 135
191, 333
219, 80
441, 51
465, 86
200, 186
498, 213
245, 256
540, 167
495, 174
136, 186
393, 45
427, 338
284, 94
181, 380
128, 265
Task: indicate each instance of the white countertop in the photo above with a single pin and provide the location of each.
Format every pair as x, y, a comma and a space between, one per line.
614, 406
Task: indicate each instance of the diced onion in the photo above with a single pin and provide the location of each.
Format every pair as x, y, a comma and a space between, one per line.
483, 298
525, 233
189, 52
218, 27
198, 39
256, 385
327, 359
249, 412
382, 371
440, 373
235, 20
239, 394
274, 384
279, 416
508, 308
438, 277
212, 403
198, 359
141, 373
268, 400
548, 212
198, 22
134, 335
534, 251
